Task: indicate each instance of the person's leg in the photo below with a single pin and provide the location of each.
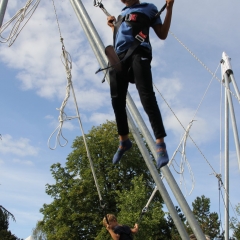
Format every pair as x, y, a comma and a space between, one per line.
143, 79
119, 107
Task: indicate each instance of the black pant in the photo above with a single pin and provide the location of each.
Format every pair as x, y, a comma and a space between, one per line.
140, 73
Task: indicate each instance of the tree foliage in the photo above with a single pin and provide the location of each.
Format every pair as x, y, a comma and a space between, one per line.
153, 225
174, 234
235, 224
5, 216
75, 212
38, 232
209, 222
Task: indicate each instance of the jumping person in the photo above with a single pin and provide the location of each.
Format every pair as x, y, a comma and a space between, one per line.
133, 23
117, 231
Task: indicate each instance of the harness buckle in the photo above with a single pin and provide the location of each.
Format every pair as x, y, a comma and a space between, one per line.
141, 37
131, 17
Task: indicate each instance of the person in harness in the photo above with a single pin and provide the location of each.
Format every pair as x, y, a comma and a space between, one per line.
132, 46
118, 231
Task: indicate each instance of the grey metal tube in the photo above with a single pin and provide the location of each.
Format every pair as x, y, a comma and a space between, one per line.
232, 114
90, 31
166, 198
226, 156
98, 49
3, 7
235, 85
166, 172
88, 27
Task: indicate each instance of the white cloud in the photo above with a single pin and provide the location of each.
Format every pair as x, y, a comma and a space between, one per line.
20, 147
99, 118
23, 162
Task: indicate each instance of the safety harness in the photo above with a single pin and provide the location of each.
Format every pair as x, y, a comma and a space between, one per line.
140, 24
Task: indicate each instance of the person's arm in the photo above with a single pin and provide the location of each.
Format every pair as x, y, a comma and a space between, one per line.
110, 21
162, 29
135, 229
113, 235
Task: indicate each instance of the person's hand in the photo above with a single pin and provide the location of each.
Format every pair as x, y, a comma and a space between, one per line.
136, 226
169, 3
110, 21
108, 227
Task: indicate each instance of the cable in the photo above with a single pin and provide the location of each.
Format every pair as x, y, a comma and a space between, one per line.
18, 18
192, 120
63, 117
213, 74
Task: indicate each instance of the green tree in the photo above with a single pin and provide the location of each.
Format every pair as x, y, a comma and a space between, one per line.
174, 235
5, 216
75, 212
235, 224
38, 232
209, 222
153, 225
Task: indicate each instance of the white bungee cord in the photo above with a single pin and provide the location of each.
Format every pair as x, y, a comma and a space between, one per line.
21, 15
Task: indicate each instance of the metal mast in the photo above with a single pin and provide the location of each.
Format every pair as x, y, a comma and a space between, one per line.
3, 7
228, 77
98, 49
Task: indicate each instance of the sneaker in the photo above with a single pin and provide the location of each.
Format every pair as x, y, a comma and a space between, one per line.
162, 155
124, 146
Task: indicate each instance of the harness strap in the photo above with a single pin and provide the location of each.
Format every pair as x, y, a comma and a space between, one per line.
139, 22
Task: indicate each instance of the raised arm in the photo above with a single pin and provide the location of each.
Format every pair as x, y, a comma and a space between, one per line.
135, 229
113, 235
162, 30
110, 21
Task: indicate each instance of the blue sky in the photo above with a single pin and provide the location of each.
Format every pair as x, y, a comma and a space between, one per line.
33, 83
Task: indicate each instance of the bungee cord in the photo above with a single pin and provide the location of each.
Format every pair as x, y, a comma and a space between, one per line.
213, 74
184, 160
66, 59
28, 10
98, 3
182, 144
192, 120
221, 185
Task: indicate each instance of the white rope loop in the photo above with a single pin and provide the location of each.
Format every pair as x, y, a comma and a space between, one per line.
17, 19
67, 62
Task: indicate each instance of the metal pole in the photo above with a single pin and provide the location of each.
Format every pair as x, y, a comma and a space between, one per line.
226, 72
232, 114
3, 7
98, 49
166, 172
227, 68
90, 30
235, 85
226, 180
166, 198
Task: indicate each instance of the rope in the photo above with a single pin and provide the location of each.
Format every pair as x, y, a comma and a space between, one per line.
213, 74
222, 185
63, 117
219, 204
145, 209
192, 120
18, 18
220, 126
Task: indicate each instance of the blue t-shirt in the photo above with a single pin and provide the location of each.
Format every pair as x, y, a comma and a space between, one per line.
124, 37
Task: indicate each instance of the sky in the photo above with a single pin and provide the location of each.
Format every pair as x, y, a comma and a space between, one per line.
33, 86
